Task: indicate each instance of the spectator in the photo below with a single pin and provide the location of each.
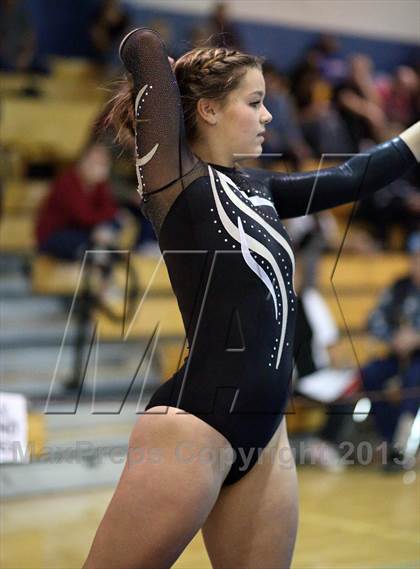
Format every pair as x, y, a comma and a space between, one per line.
199, 36
400, 97
109, 23
164, 28
396, 206
396, 321
79, 211
222, 31
17, 37
331, 65
283, 134
359, 103
322, 126
304, 78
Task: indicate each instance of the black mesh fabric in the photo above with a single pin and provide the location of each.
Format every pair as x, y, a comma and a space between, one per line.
163, 158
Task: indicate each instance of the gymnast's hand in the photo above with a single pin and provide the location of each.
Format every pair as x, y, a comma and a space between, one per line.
411, 137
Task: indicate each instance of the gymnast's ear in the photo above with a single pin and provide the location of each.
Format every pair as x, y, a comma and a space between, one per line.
208, 110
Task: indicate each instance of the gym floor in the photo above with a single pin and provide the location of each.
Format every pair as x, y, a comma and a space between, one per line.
359, 518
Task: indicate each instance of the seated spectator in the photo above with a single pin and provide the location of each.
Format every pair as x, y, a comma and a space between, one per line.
199, 36
17, 37
79, 212
221, 29
396, 321
322, 126
331, 64
359, 104
165, 29
109, 23
400, 96
395, 206
283, 134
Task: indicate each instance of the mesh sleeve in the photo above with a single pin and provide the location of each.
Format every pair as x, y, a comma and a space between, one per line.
162, 152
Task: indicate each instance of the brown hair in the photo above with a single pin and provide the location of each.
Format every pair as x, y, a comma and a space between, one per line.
203, 72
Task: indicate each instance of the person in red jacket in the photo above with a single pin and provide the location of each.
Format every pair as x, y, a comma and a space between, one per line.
79, 212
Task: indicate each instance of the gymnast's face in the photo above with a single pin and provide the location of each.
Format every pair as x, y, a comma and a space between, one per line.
233, 128
243, 116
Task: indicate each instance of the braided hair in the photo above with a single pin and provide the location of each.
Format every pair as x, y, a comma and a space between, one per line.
203, 72
209, 73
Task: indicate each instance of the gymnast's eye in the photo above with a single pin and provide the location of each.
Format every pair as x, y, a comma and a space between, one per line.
255, 104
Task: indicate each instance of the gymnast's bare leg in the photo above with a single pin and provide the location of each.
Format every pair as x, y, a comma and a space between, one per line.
157, 508
253, 524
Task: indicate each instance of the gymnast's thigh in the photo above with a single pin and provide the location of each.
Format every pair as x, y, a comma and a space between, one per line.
254, 521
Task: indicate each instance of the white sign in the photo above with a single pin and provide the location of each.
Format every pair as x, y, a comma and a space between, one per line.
13, 428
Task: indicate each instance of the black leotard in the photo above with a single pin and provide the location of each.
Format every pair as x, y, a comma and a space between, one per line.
229, 257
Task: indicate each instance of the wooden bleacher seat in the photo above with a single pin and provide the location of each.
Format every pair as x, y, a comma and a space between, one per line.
22, 196
358, 283
353, 271
315, 164
37, 433
73, 90
73, 79
72, 68
54, 277
162, 311
356, 299
351, 310
303, 416
357, 347
16, 234
12, 84
151, 272
354, 291
46, 129
358, 280
279, 165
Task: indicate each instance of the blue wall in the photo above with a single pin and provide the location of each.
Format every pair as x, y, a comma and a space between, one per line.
62, 26
63, 30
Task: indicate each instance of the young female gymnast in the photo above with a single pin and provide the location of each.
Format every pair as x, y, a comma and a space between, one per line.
210, 430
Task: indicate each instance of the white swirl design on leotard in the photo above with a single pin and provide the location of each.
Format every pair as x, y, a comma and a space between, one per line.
257, 247
142, 160
140, 94
254, 266
257, 200
226, 182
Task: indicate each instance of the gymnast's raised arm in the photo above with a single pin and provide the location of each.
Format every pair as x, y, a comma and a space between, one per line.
304, 193
163, 156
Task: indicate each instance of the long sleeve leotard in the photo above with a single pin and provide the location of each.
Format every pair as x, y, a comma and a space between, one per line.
229, 257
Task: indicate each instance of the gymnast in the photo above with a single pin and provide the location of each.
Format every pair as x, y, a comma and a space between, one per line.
231, 266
